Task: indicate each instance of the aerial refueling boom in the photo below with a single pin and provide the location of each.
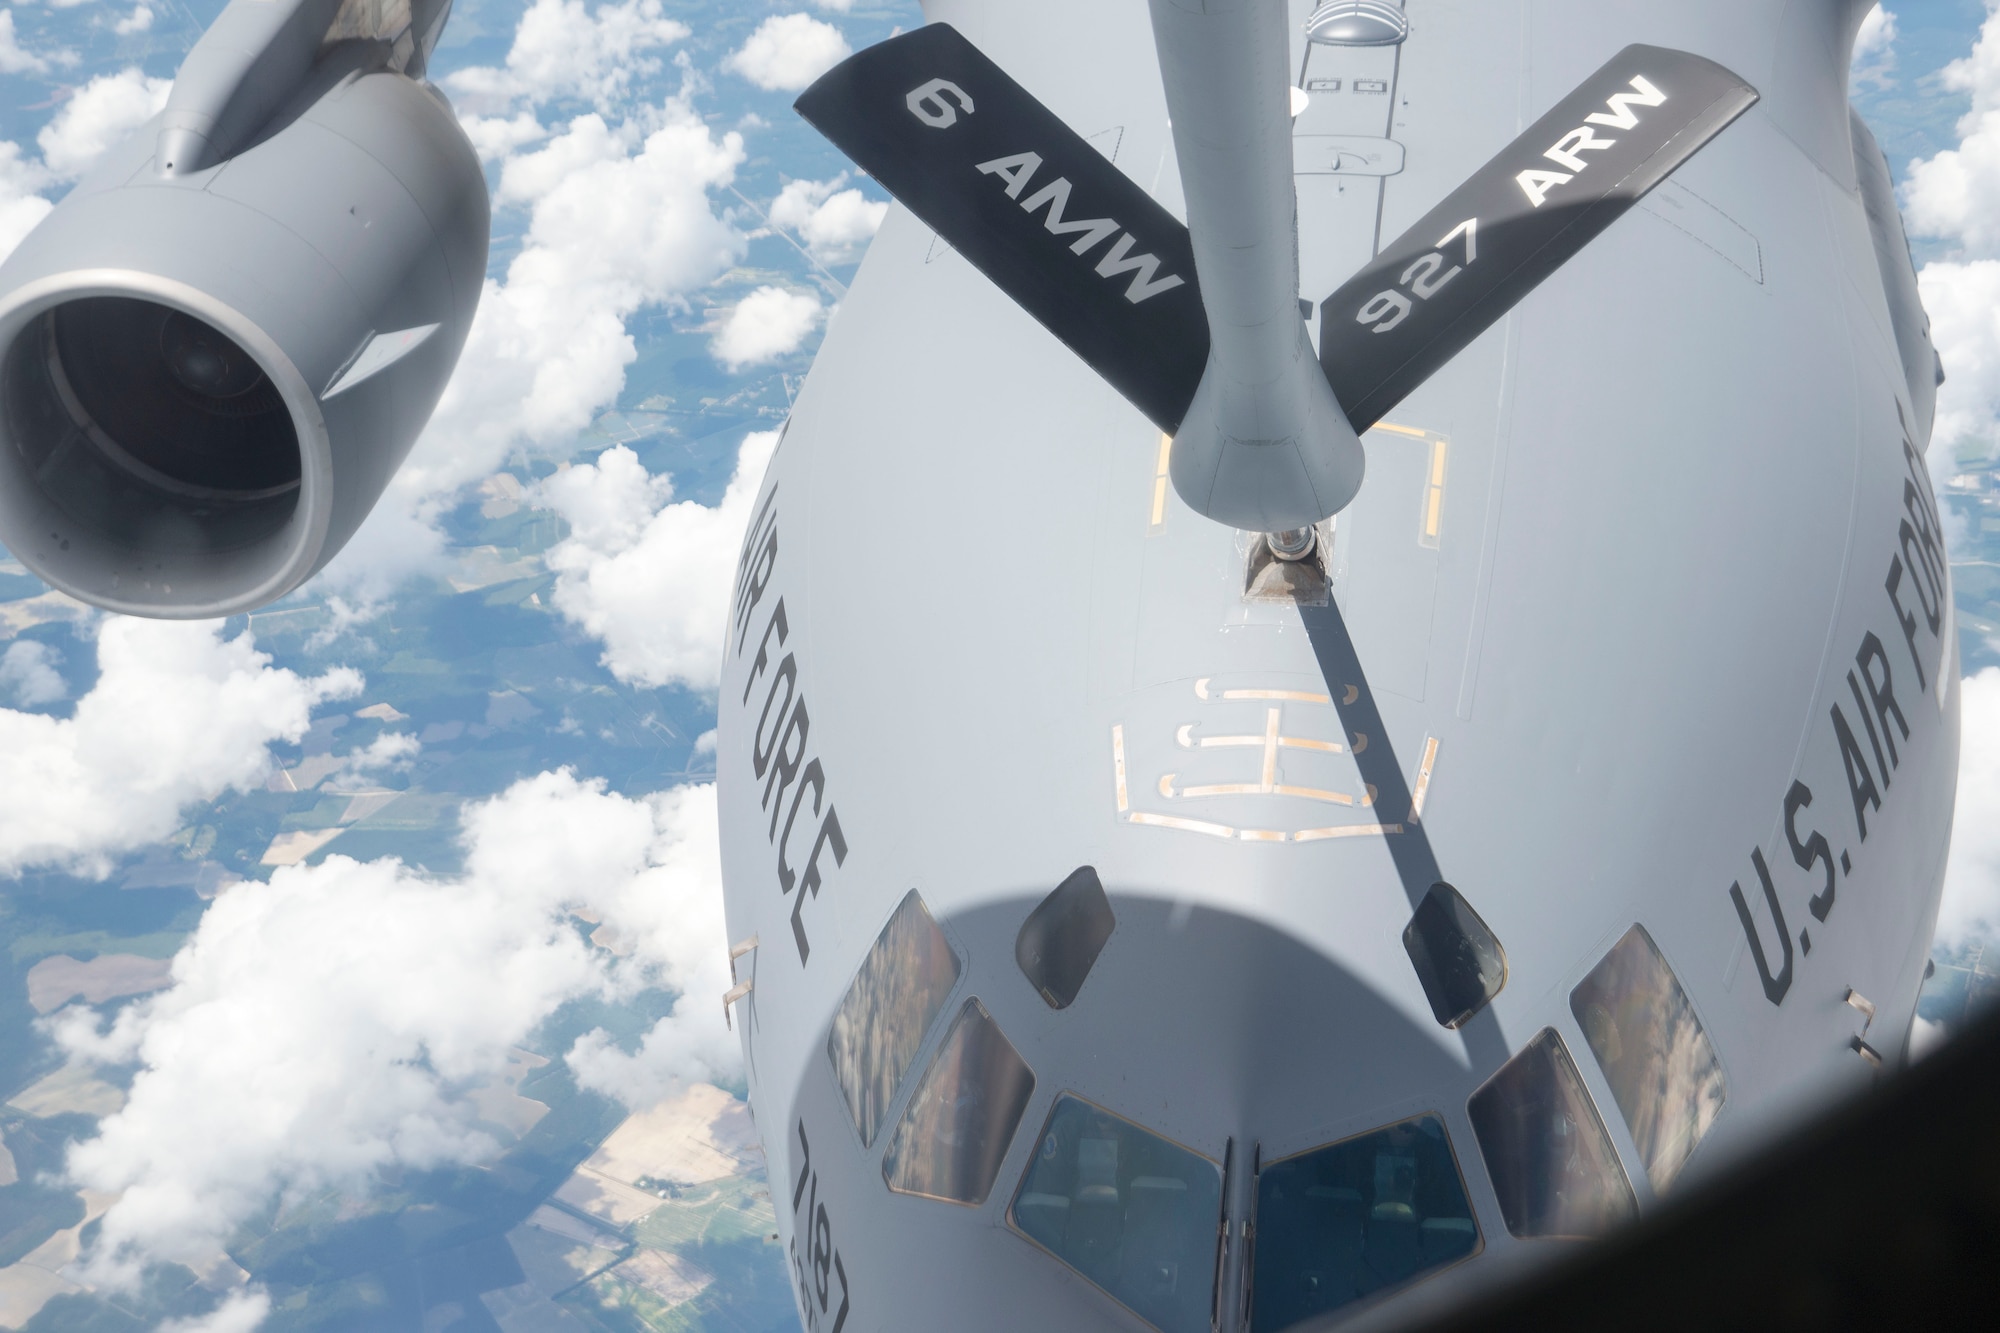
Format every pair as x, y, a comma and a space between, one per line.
1265, 446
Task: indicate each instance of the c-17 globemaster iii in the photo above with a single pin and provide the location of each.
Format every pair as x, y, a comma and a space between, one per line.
1344, 672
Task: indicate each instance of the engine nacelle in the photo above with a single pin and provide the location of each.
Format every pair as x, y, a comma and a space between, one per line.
208, 376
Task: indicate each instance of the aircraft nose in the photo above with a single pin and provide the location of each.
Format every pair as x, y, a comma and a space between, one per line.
1090, 1074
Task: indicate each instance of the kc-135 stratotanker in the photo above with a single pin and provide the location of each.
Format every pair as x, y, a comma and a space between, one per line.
1344, 672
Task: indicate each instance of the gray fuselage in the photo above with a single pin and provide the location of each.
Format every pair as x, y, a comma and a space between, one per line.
1651, 556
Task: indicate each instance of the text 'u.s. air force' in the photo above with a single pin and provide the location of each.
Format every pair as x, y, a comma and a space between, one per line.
781, 750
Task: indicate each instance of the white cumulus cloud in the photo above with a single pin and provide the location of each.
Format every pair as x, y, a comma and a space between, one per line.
616, 223
1971, 905
563, 49
1874, 49
612, 229
15, 59
646, 575
139, 20
178, 715
239, 1312
28, 675
769, 323
94, 117
834, 223
390, 752
1953, 196
789, 51
332, 1023
97, 116
1956, 194
21, 208
494, 137
1963, 301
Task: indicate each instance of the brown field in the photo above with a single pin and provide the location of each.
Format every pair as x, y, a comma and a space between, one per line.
55, 981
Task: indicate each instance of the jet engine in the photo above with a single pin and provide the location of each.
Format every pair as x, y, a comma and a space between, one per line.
218, 348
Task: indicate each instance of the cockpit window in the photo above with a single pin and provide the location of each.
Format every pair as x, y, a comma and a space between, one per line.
1552, 1164
1060, 940
1131, 1211
950, 1141
1460, 963
1659, 1063
902, 985
1344, 1221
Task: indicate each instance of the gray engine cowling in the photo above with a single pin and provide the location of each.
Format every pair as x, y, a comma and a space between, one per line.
210, 368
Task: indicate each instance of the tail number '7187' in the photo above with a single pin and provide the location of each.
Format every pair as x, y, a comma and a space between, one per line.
1425, 277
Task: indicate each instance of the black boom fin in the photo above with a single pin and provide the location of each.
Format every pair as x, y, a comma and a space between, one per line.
1518, 219
1081, 247
1071, 238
